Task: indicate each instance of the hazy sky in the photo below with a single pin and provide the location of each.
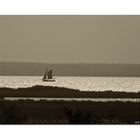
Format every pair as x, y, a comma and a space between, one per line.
62, 39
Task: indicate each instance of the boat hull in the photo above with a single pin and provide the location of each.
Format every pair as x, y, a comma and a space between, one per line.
48, 80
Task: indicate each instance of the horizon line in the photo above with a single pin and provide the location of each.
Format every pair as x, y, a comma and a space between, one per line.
69, 62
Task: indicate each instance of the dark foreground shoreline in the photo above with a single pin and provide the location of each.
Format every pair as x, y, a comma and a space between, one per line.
57, 92
68, 112
29, 111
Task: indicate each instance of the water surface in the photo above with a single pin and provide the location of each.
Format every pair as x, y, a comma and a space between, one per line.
128, 84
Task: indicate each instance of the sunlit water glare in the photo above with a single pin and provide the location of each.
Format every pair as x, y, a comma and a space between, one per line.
128, 84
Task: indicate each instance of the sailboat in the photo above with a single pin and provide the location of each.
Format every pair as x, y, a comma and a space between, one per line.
48, 77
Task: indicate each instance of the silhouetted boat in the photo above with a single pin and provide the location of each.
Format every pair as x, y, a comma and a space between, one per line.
48, 77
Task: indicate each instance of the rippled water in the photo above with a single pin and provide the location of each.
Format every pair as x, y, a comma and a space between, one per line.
128, 84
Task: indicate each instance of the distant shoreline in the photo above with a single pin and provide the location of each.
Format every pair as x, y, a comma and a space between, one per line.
59, 92
71, 76
70, 69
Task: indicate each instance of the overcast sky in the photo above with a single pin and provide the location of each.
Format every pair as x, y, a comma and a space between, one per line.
75, 39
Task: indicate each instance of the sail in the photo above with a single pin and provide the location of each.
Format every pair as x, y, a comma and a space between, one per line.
48, 77
50, 74
45, 75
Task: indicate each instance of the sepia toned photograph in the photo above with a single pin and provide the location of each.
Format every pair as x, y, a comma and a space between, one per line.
69, 69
